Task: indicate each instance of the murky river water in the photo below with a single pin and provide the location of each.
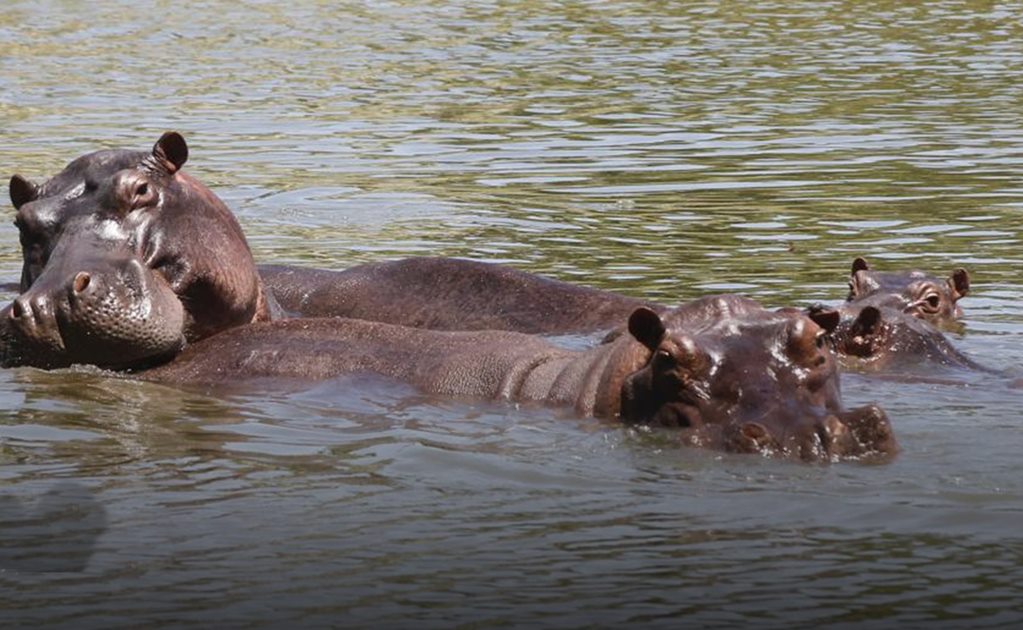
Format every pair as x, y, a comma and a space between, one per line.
664, 150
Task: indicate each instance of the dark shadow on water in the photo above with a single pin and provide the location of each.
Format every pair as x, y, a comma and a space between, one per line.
53, 533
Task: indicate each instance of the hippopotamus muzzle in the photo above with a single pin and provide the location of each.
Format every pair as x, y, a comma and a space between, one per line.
100, 305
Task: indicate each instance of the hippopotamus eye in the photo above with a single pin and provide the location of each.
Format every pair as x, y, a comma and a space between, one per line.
664, 356
933, 300
821, 340
142, 195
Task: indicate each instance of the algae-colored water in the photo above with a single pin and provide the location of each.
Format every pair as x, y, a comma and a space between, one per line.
665, 150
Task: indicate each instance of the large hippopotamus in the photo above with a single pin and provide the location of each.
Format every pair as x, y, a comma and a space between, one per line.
727, 372
914, 292
177, 228
144, 208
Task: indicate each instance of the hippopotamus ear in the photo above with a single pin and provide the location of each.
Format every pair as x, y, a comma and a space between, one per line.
868, 321
860, 264
646, 326
959, 283
171, 152
22, 191
826, 318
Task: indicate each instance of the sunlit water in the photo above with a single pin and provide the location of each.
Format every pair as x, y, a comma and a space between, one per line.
665, 150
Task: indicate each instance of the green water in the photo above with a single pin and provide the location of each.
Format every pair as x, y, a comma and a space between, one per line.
665, 150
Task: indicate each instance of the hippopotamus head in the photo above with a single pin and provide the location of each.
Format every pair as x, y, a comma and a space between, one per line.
872, 336
915, 292
746, 379
166, 219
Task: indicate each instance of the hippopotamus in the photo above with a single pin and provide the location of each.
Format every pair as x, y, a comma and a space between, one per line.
449, 294
726, 372
148, 213
915, 292
144, 204
872, 336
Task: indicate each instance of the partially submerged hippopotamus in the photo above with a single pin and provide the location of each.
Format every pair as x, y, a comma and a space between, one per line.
728, 373
179, 229
872, 336
914, 292
142, 209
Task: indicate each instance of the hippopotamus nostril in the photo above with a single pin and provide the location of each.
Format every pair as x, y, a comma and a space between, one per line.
19, 309
81, 281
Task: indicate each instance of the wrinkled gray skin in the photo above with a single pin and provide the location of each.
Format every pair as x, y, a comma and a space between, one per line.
136, 218
917, 293
448, 294
728, 373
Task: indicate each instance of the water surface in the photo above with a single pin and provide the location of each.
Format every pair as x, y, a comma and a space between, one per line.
664, 150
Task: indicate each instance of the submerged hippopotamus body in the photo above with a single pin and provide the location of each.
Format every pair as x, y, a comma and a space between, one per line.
448, 294
729, 373
914, 292
135, 217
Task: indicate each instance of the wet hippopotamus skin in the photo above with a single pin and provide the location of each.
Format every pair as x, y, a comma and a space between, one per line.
914, 292
448, 294
726, 372
146, 212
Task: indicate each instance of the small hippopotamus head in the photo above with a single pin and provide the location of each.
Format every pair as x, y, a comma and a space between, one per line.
134, 217
171, 222
874, 337
749, 380
914, 292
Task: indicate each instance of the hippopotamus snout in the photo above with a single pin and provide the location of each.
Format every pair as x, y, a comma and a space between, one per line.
863, 432
106, 308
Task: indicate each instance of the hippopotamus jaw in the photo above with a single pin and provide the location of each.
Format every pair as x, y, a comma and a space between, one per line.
100, 306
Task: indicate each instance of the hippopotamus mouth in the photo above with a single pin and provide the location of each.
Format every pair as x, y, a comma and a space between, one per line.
121, 315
